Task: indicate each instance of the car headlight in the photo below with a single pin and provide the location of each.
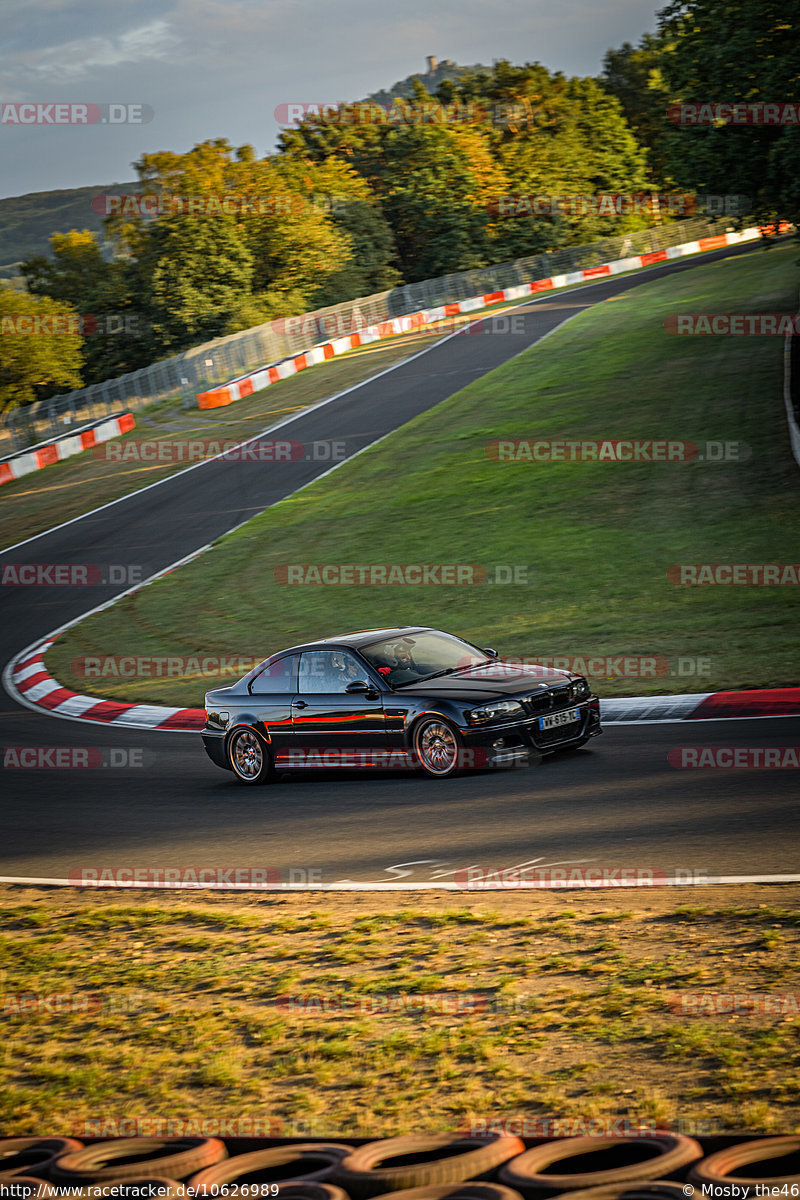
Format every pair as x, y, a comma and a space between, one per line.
496, 710
580, 689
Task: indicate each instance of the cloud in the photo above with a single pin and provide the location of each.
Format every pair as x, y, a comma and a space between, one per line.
87, 57
33, 27
211, 68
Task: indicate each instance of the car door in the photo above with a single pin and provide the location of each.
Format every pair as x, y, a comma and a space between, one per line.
325, 717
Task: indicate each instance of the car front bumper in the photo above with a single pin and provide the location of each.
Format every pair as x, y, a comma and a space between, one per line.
516, 742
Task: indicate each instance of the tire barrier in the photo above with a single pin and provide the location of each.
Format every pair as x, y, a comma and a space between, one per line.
427, 1159
644, 1189
444, 1166
19, 1156
627, 1159
299, 1162
175, 1158
307, 1190
721, 1168
455, 1191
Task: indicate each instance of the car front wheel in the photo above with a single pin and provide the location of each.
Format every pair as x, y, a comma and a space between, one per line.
249, 757
437, 747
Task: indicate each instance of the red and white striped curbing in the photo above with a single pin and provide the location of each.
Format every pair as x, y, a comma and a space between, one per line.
64, 447
245, 385
34, 686
702, 706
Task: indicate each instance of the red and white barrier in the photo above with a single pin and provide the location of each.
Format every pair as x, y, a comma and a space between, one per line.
64, 447
245, 385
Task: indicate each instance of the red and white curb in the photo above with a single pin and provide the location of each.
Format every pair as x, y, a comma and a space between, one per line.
29, 680
701, 706
64, 447
245, 385
35, 687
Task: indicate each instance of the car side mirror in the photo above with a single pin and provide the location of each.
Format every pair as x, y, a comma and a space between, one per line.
490, 651
359, 686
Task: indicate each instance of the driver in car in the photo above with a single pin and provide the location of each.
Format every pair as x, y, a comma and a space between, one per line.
405, 670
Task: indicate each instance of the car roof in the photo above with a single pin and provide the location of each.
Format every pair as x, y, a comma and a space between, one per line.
362, 637
344, 641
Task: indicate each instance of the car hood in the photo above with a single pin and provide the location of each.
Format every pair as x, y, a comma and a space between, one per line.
488, 680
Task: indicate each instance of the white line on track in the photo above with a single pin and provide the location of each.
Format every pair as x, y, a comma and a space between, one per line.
223, 454
352, 885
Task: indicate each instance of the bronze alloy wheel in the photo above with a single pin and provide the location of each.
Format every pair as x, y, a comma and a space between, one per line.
249, 756
437, 747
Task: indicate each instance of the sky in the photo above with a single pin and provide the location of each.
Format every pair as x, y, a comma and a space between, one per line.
179, 72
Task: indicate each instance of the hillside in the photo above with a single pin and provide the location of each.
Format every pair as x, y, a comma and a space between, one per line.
26, 222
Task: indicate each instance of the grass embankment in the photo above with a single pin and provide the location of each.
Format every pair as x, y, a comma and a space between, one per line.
598, 538
582, 1018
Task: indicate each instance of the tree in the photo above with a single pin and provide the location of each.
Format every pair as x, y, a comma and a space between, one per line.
366, 270
729, 52
433, 182
39, 353
635, 77
556, 137
114, 326
282, 209
192, 274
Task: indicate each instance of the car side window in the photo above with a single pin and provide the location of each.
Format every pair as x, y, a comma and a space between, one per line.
328, 671
279, 677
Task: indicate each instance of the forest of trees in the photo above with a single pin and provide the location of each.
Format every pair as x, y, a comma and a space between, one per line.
348, 207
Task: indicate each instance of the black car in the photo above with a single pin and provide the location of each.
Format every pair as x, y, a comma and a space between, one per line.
394, 698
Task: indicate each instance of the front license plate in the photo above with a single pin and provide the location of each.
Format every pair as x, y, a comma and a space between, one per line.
562, 718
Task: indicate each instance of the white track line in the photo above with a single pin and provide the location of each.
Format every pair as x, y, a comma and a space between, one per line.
352, 885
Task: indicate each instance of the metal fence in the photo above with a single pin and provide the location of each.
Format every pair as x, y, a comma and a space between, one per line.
221, 360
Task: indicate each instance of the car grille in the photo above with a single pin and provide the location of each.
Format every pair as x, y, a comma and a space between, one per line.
547, 700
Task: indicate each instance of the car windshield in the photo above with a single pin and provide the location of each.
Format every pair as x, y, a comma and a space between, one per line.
412, 657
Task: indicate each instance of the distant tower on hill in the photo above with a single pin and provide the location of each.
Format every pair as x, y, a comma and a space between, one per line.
433, 63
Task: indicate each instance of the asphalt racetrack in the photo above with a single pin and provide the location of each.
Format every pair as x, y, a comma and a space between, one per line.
616, 804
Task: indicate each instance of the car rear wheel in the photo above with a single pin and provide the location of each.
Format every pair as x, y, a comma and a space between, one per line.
437, 747
249, 757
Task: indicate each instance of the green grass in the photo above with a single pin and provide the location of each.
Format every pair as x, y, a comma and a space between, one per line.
597, 538
185, 1023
